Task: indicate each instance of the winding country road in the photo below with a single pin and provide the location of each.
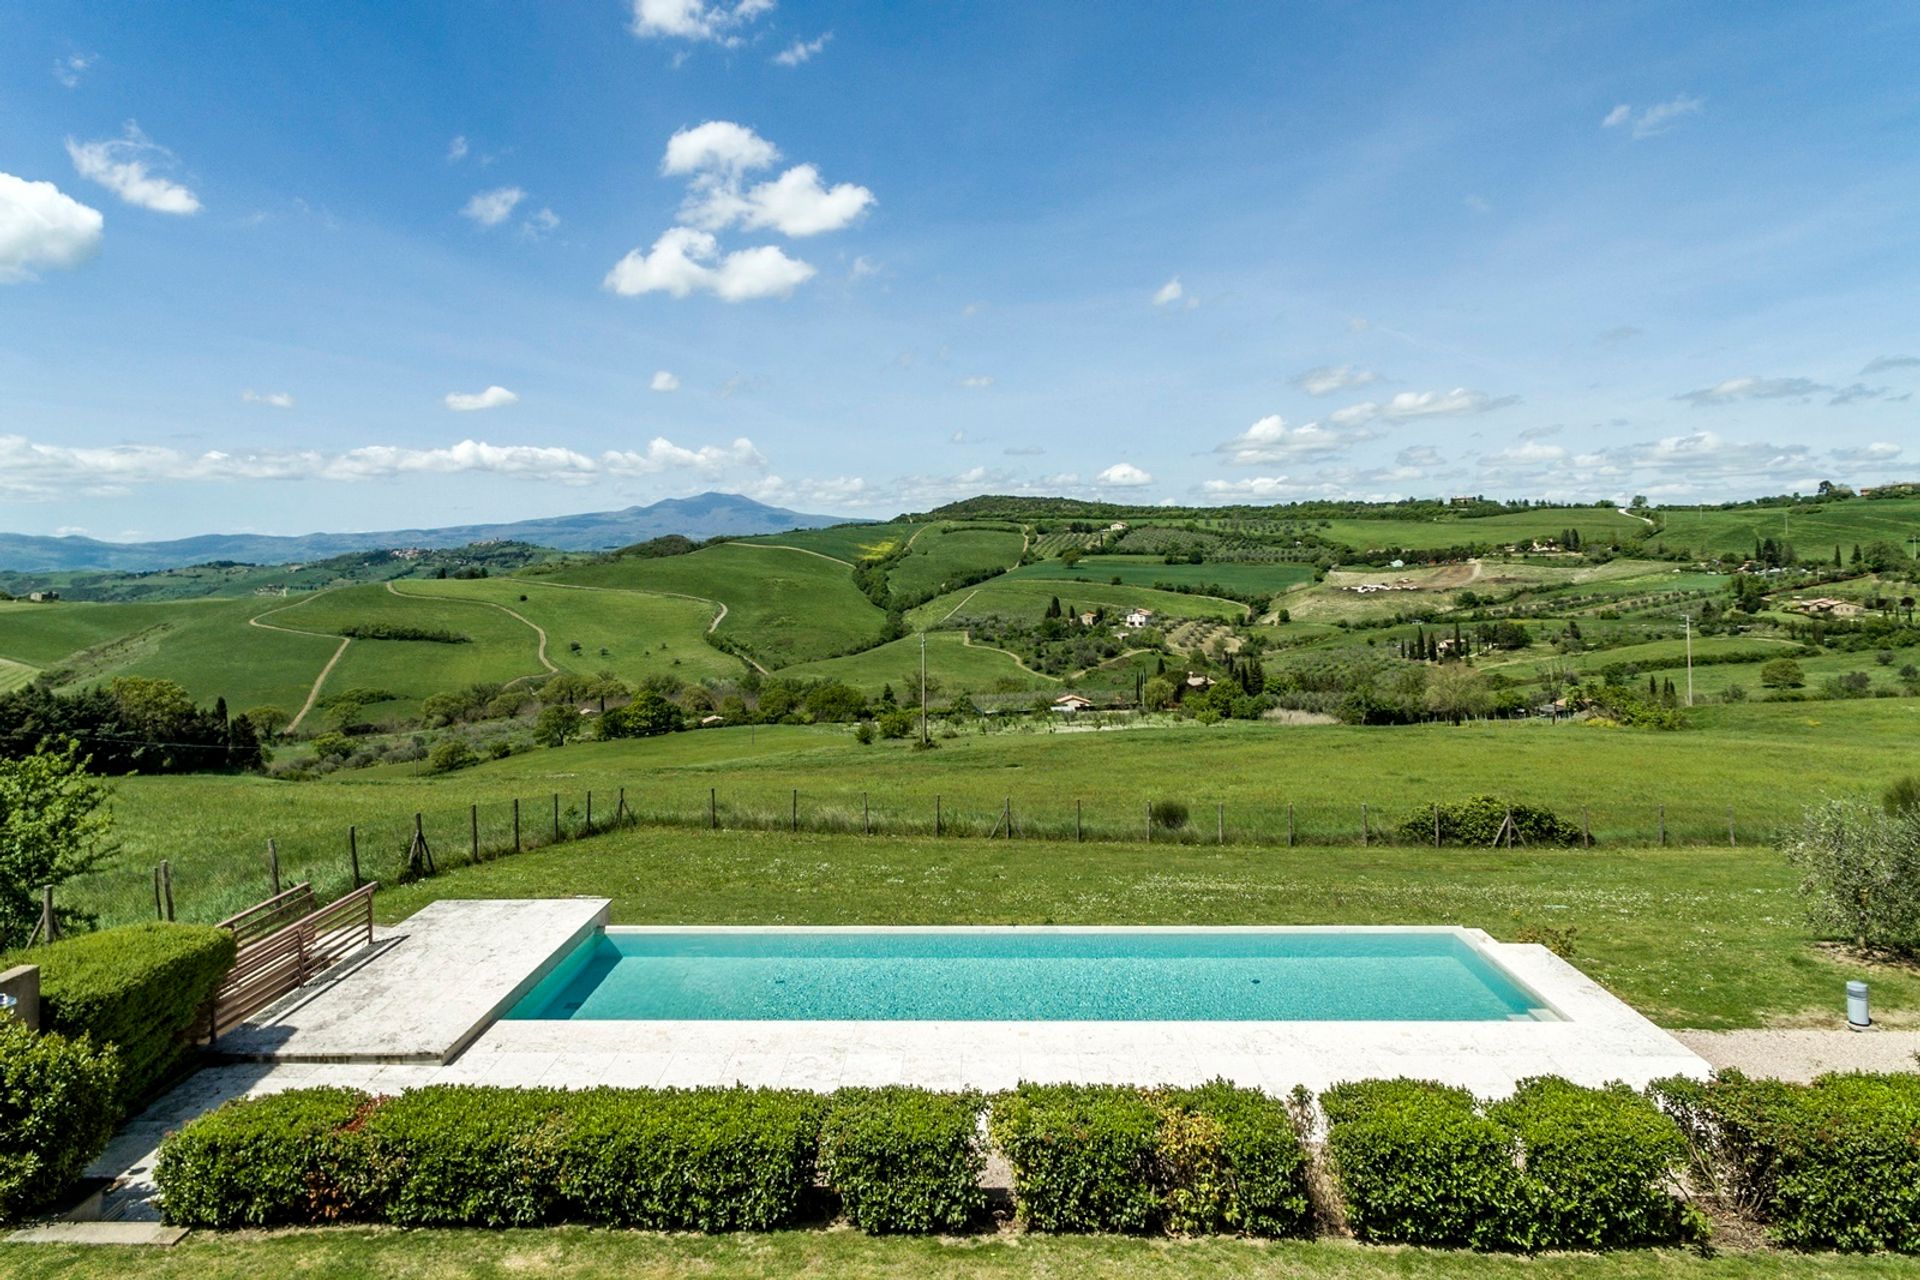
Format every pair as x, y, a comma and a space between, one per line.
517, 616
313, 694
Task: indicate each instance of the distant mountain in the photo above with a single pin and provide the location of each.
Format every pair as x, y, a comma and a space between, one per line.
709, 515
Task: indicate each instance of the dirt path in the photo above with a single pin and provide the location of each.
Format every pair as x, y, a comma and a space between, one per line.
313, 694
781, 546
517, 616
966, 639
1646, 520
963, 604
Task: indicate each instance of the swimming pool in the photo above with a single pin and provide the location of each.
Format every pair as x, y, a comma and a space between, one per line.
1039, 974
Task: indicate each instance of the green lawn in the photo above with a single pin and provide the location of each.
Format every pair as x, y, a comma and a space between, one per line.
1145, 571
571, 1253
953, 663
783, 605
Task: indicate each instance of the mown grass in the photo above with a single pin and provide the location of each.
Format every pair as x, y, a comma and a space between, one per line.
849, 542
1145, 571
953, 665
1813, 529
783, 605
572, 1253
1597, 525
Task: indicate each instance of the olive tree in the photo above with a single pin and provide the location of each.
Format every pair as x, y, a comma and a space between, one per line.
1859, 864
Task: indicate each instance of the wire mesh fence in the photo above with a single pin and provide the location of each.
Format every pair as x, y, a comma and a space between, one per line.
395, 847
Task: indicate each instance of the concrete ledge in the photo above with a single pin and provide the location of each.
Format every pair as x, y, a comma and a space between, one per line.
434, 983
111, 1233
22, 982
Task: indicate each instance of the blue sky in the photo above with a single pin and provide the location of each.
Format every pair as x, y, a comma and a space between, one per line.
372, 265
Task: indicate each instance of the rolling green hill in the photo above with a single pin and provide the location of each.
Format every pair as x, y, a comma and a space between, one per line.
1145, 571
944, 556
1028, 598
953, 665
1814, 529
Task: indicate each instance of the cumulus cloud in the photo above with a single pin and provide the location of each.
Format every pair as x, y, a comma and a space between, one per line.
718, 145
802, 50
42, 228
272, 399
1421, 404
1168, 293
31, 471
1271, 440
716, 157
1258, 487
491, 398
1123, 475
695, 19
1329, 378
125, 166
664, 381
1658, 118
684, 261
491, 208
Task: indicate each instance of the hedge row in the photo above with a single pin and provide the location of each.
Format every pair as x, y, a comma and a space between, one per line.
56, 1113
1834, 1164
139, 989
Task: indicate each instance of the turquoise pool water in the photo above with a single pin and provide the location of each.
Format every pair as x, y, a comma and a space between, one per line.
1030, 975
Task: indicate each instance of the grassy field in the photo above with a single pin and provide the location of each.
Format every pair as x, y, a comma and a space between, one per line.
572, 1253
1009, 597
953, 664
1145, 571
946, 554
849, 542
783, 605
1762, 761
1813, 529
1597, 525
630, 633
351, 1253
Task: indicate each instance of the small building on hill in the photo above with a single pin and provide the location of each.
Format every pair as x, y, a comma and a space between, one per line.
1137, 618
1072, 704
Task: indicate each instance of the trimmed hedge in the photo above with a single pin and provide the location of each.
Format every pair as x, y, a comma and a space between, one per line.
1834, 1164
139, 988
673, 1159
1116, 1158
1482, 820
1556, 1166
56, 1113
905, 1159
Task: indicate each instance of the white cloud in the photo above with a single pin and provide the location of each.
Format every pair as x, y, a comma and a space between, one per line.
718, 146
695, 19
1271, 440
42, 228
1421, 404
491, 208
978, 381
457, 149
69, 69
1124, 475
540, 224
1731, 390
1269, 487
862, 267
1655, 119
491, 398
664, 381
123, 166
802, 50
272, 399
1329, 378
795, 204
1878, 451
1167, 293
685, 261
33, 471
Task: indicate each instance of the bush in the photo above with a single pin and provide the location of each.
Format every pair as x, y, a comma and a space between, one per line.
450, 754
56, 1113
140, 988
1482, 821
673, 1159
1082, 1155
1902, 797
1860, 872
1418, 1164
1834, 1164
1167, 815
905, 1159
260, 1162
1556, 1166
1118, 1158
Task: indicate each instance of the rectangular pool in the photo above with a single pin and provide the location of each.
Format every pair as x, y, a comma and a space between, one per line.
1039, 974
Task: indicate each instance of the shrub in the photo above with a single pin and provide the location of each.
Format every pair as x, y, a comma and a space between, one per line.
1782, 673
1556, 1166
1418, 1164
1482, 821
56, 1113
904, 1159
1902, 797
1118, 1158
1833, 1164
450, 754
1167, 815
140, 988
260, 1162
1082, 1155
693, 1159
1860, 872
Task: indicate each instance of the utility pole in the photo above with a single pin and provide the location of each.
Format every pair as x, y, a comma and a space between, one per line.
923, 688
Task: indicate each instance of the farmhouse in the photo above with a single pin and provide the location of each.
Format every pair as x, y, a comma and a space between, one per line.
43, 597
1139, 618
1088, 619
1072, 704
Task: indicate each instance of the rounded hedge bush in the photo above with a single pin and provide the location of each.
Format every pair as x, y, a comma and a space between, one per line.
57, 1111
